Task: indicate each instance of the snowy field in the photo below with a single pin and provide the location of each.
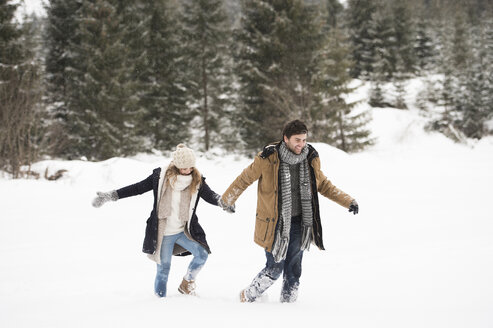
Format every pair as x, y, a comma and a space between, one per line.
419, 254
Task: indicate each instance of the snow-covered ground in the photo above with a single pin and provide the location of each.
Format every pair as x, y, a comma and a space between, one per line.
419, 254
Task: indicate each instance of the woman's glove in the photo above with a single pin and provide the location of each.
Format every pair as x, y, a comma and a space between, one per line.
225, 207
104, 197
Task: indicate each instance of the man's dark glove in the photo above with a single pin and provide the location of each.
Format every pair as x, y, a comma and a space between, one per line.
225, 207
353, 207
104, 197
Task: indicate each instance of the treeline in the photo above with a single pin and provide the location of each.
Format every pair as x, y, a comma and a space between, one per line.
104, 78
392, 41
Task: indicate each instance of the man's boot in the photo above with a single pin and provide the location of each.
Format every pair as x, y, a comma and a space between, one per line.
187, 287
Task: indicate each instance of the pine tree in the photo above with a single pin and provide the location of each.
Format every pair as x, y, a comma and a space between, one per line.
464, 97
207, 35
60, 39
334, 11
376, 98
447, 122
423, 45
335, 121
399, 81
277, 42
487, 56
359, 24
383, 42
403, 31
460, 47
33, 29
475, 106
100, 98
134, 26
165, 82
19, 93
10, 50
254, 54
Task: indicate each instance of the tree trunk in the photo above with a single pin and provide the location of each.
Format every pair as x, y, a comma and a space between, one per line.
341, 132
205, 108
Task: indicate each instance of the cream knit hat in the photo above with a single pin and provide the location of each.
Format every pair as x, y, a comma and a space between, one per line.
183, 157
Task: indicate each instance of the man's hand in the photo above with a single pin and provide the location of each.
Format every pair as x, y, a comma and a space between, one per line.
104, 197
225, 207
353, 207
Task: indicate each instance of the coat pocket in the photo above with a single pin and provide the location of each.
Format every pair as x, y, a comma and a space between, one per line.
263, 229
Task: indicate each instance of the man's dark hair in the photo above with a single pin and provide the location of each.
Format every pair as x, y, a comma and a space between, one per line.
294, 127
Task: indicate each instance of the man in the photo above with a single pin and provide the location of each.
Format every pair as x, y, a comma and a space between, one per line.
288, 216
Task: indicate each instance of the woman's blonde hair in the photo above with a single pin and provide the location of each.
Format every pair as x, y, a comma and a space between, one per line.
172, 172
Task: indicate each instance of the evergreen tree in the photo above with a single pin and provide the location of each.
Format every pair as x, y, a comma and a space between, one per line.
60, 39
334, 11
399, 81
487, 56
207, 35
134, 30
423, 45
134, 25
277, 43
403, 34
448, 119
10, 50
359, 24
19, 93
376, 98
165, 82
100, 99
465, 86
383, 42
33, 29
460, 47
335, 121
475, 106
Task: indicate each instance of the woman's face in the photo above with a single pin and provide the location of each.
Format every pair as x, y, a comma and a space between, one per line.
186, 171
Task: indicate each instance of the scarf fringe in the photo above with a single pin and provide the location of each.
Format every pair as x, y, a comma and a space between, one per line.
306, 238
281, 244
280, 249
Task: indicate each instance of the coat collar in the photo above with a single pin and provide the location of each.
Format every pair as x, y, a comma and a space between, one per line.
274, 147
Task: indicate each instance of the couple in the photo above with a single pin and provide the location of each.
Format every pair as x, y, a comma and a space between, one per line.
287, 216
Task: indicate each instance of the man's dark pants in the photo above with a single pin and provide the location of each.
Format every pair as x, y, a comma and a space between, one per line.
290, 267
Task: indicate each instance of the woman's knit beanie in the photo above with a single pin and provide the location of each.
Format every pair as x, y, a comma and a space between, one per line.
183, 157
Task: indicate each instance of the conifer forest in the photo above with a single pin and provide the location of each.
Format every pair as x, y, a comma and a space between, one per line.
97, 79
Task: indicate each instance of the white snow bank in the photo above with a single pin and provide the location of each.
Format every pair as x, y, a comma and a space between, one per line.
419, 254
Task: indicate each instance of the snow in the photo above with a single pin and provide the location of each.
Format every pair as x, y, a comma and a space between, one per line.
419, 253
28, 7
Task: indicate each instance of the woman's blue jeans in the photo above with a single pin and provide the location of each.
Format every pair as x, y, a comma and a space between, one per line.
199, 258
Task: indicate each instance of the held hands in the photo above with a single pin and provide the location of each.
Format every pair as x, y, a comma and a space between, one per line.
353, 207
225, 207
104, 197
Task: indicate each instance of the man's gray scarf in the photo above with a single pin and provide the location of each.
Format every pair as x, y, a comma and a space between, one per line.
281, 242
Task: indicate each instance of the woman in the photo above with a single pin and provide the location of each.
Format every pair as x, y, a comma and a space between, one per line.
173, 227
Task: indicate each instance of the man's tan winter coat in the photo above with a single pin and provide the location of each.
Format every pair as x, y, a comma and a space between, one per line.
265, 169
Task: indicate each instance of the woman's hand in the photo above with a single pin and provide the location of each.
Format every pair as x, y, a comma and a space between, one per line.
104, 197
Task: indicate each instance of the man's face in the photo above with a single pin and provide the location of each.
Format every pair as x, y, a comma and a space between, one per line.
296, 143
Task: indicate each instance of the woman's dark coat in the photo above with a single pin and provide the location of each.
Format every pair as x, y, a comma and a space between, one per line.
193, 229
